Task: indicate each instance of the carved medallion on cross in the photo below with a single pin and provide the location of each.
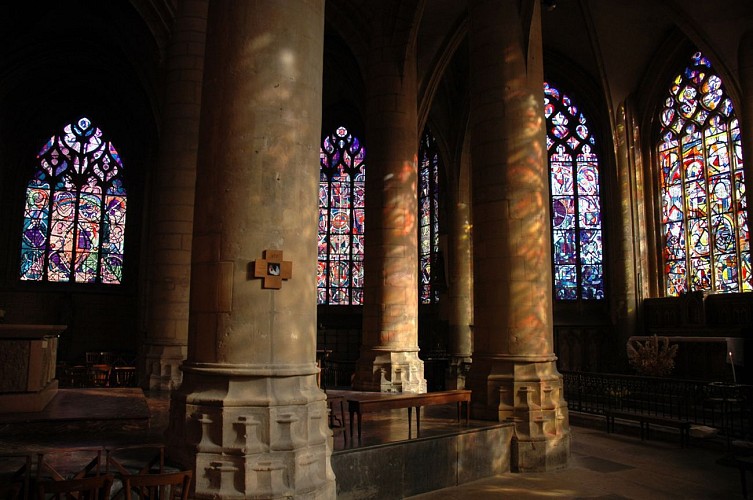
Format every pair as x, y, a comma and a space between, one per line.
272, 269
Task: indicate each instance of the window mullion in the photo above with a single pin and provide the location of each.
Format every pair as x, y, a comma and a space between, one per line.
577, 229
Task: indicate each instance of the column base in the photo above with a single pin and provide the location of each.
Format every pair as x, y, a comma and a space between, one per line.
457, 372
251, 435
390, 371
527, 391
163, 365
540, 456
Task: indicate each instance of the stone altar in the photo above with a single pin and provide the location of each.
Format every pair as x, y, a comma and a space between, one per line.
28, 356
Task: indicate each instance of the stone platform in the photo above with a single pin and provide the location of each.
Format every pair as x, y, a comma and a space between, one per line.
412, 466
389, 462
77, 412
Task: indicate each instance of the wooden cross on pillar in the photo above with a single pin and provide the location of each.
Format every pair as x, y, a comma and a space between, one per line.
273, 269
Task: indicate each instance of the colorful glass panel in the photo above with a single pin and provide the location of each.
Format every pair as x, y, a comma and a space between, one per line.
428, 215
704, 219
577, 251
72, 233
339, 277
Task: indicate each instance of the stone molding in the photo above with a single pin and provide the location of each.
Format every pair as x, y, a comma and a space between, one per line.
253, 436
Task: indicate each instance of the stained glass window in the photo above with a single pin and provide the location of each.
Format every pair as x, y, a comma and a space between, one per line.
703, 219
428, 215
342, 183
75, 210
577, 251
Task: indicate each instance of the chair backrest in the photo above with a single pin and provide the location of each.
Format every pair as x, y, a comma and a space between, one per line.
139, 459
100, 375
78, 376
166, 486
70, 463
92, 358
85, 488
12, 490
15, 476
123, 376
106, 358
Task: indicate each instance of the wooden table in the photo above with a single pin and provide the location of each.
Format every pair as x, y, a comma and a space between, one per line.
380, 401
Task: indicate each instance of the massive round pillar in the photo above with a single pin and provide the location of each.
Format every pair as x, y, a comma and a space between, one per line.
513, 375
249, 416
460, 293
389, 359
172, 200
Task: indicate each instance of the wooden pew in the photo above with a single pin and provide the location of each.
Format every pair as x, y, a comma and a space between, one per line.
380, 401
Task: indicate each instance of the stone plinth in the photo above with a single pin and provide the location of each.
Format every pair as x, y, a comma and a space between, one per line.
28, 356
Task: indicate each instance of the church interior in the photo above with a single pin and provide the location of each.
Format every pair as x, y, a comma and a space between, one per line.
256, 217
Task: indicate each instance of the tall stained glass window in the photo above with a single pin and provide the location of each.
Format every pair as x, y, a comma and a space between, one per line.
75, 210
342, 183
706, 245
428, 214
576, 200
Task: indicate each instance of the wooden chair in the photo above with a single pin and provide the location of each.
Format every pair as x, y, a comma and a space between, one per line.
138, 459
106, 358
165, 486
92, 358
71, 463
123, 376
78, 376
86, 488
15, 476
99, 375
12, 490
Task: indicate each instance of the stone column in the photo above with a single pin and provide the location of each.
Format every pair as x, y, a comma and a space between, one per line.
172, 200
389, 354
745, 114
514, 376
628, 287
460, 296
249, 416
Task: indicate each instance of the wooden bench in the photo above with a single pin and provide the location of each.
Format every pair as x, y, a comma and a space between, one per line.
380, 401
646, 421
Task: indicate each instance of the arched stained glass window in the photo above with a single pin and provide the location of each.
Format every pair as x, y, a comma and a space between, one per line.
428, 213
75, 211
576, 200
704, 223
342, 183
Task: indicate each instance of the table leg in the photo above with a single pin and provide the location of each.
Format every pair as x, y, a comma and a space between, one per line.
410, 420
418, 421
342, 415
359, 426
351, 424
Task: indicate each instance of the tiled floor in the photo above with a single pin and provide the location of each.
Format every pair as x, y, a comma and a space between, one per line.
602, 466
